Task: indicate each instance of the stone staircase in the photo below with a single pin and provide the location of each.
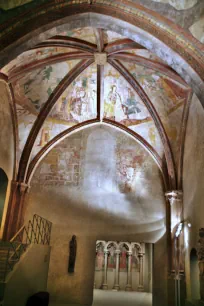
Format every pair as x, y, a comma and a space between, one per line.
4, 251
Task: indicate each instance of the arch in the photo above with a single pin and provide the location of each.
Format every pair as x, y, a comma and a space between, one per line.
128, 245
194, 273
100, 242
137, 246
113, 243
50, 145
161, 36
3, 190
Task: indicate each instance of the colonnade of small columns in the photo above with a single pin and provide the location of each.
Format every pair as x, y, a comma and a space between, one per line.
118, 246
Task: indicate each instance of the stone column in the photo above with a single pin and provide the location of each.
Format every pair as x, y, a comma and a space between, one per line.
105, 285
174, 216
116, 285
175, 199
141, 276
14, 218
129, 275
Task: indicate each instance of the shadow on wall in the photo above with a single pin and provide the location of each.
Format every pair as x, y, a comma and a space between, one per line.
3, 188
195, 283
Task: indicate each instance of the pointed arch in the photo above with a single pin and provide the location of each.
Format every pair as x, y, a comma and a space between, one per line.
51, 144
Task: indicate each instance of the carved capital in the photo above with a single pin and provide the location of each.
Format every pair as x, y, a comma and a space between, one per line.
23, 188
129, 253
174, 196
117, 252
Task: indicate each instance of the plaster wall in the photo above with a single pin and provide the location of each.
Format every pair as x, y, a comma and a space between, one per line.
122, 210
6, 132
193, 181
68, 219
28, 277
7, 147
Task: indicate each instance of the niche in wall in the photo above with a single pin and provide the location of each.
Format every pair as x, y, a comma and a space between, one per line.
125, 266
3, 188
195, 282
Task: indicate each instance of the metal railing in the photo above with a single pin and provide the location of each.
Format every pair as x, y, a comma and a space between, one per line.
38, 231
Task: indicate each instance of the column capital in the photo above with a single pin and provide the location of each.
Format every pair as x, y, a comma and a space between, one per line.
174, 195
117, 252
23, 187
106, 252
129, 253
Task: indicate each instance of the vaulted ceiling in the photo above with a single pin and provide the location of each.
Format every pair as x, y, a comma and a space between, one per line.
90, 76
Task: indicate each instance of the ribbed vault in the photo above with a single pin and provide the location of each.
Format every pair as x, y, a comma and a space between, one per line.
91, 75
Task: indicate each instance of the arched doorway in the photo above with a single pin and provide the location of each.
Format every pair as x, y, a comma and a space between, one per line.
3, 188
195, 283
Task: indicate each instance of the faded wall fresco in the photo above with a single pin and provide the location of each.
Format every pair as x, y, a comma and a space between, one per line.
6, 133
101, 162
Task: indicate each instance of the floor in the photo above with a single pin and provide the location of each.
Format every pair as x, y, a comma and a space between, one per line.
121, 298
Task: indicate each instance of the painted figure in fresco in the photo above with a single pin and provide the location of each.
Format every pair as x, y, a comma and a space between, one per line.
79, 105
135, 259
123, 259
132, 108
111, 258
72, 254
113, 106
44, 136
99, 258
127, 170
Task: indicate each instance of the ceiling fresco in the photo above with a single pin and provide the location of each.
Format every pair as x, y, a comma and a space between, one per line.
76, 104
122, 104
98, 91
167, 96
86, 34
32, 91
34, 55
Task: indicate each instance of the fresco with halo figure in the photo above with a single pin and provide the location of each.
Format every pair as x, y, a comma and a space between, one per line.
122, 104
76, 104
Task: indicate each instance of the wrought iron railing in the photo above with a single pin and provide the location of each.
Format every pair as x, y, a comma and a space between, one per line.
38, 231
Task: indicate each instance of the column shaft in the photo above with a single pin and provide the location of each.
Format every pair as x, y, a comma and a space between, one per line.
141, 280
116, 285
129, 274
105, 285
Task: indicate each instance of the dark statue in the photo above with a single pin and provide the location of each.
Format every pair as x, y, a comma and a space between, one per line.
72, 254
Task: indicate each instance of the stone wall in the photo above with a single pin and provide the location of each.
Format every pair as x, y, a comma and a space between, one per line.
193, 182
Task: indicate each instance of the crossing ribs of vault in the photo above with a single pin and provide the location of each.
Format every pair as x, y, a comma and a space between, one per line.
100, 58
